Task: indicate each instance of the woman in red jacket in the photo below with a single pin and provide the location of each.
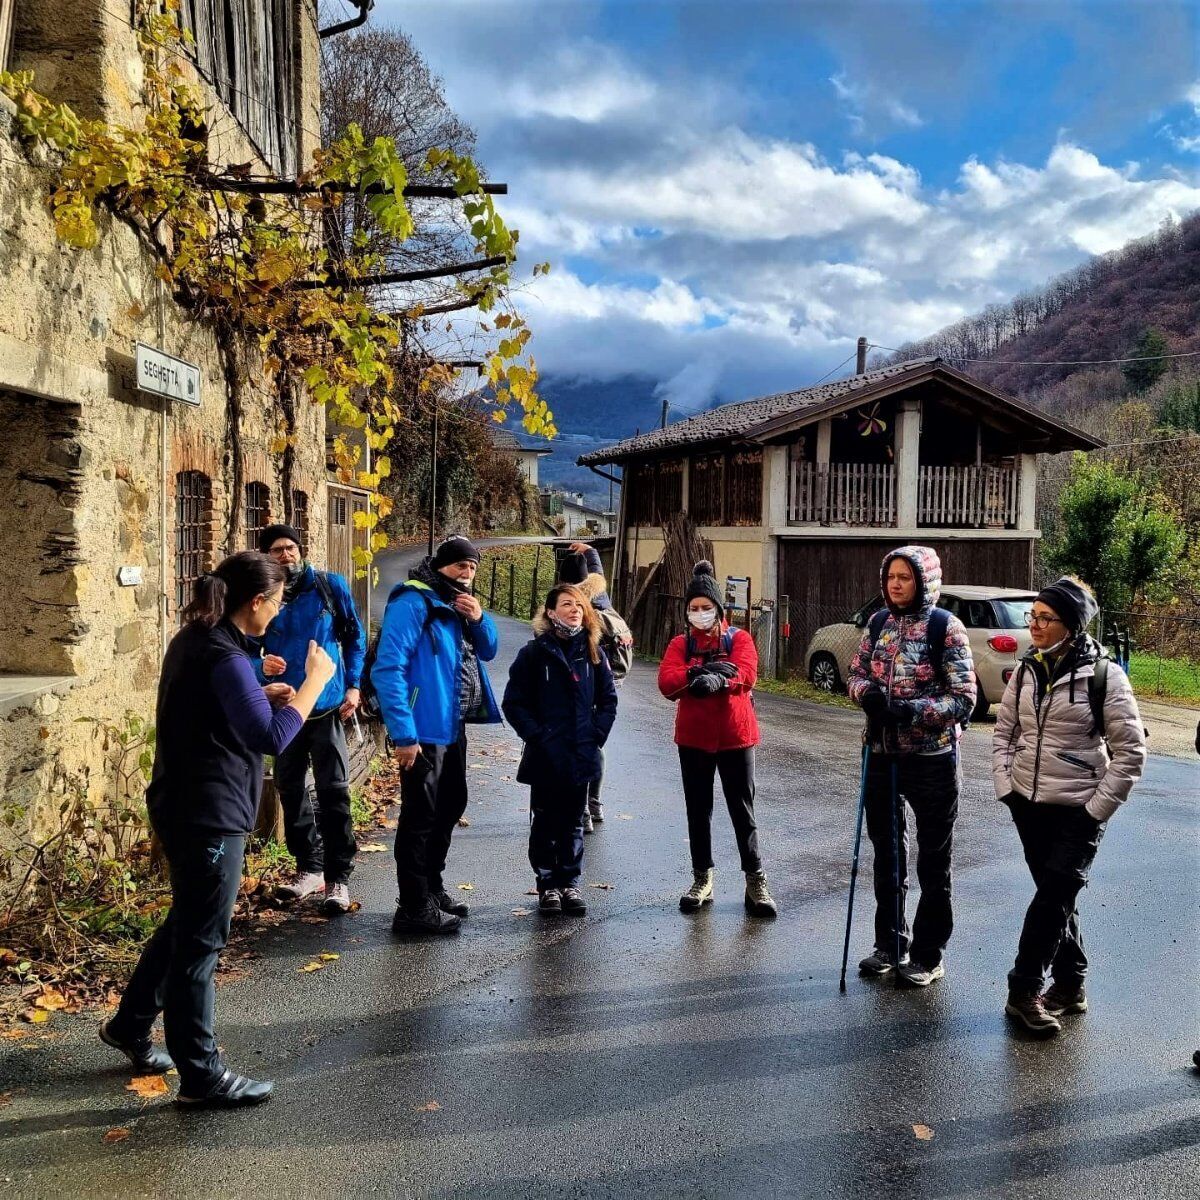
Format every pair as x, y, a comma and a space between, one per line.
710, 671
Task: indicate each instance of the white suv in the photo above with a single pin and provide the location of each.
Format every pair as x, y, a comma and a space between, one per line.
995, 624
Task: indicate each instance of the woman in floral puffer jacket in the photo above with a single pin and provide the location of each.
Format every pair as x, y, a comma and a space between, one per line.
1061, 777
914, 706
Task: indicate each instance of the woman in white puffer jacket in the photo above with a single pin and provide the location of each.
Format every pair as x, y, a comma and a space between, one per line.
1062, 777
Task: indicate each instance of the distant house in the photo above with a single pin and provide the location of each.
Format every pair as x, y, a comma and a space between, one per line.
803, 492
578, 516
524, 454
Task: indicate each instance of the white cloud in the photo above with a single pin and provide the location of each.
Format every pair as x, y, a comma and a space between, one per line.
867, 105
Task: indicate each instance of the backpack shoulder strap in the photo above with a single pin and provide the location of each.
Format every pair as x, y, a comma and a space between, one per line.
321, 581
876, 623
939, 625
1097, 693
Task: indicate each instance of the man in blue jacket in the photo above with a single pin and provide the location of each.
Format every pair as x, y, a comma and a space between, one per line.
318, 607
430, 682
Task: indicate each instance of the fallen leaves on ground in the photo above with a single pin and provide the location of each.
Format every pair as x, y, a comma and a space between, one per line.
372, 848
521, 912
149, 1087
604, 887
463, 823
923, 1133
466, 887
624, 816
12, 1035
314, 920
116, 1135
5, 1098
431, 1106
249, 885
532, 892
308, 968
328, 956
479, 767
51, 999
35, 1016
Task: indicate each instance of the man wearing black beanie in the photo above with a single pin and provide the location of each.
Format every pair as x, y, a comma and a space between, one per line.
430, 683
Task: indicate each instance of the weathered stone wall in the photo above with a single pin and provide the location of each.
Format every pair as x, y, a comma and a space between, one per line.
88, 465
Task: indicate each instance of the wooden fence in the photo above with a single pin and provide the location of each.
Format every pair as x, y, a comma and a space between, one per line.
974, 497
842, 494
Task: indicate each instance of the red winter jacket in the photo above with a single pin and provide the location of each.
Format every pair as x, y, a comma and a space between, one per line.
726, 720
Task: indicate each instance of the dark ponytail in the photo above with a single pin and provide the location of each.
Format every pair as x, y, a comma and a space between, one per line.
236, 581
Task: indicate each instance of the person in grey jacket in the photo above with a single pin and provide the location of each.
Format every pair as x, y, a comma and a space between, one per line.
1062, 778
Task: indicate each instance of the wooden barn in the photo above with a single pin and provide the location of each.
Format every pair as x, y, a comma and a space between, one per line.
803, 492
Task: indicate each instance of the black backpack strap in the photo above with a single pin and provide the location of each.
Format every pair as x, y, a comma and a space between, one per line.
1097, 693
939, 626
875, 625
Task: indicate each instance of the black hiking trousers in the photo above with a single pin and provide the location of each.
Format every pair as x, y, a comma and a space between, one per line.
930, 784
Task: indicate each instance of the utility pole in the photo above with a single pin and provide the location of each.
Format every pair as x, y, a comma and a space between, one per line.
665, 410
433, 477
860, 365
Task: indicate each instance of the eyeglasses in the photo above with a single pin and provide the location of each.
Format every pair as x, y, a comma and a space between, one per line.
275, 600
280, 551
1040, 621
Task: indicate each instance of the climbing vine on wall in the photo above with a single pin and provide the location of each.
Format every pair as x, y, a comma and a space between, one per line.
252, 261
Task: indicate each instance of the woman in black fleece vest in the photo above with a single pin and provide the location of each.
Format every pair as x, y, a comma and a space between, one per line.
214, 724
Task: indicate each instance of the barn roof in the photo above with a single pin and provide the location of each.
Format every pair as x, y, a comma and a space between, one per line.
771, 417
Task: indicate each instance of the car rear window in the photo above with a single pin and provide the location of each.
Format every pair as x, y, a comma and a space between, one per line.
1010, 614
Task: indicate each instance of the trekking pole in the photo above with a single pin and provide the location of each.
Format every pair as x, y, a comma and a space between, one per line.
896, 862
858, 824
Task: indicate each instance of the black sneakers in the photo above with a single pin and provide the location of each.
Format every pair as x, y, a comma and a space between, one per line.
550, 902
879, 962
230, 1091
428, 920
451, 904
144, 1054
573, 903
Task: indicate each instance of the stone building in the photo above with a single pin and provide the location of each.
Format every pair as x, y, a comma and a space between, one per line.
113, 500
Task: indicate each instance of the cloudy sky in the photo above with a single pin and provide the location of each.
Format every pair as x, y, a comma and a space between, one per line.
730, 193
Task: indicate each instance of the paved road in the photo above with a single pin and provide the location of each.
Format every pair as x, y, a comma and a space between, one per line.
642, 1053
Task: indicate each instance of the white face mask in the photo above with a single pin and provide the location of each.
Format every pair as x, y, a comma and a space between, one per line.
705, 618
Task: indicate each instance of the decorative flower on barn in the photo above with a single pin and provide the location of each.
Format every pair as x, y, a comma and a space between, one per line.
871, 423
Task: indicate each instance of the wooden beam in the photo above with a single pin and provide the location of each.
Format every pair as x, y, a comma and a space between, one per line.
293, 187
342, 281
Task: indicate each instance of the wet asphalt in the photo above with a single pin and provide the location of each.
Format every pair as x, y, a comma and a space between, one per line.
639, 1052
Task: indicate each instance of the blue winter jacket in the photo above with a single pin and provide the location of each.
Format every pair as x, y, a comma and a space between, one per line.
303, 618
416, 674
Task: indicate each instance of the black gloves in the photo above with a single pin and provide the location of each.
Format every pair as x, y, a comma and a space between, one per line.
726, 670
901, 712
706, 684
874, 703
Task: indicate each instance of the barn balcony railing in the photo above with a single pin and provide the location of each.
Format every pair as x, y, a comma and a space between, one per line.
983, 497
866, 495
842, 494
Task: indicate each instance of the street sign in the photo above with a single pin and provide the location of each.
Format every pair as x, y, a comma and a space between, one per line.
167, 376
737, 593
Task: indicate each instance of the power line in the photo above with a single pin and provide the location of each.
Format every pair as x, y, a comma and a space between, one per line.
1084, 362
838, 368
1187, 437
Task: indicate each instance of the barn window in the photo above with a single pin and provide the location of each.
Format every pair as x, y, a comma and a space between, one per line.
193, 522
744, 502
300, 518
258, 512
726, 488
245, 49
657, 491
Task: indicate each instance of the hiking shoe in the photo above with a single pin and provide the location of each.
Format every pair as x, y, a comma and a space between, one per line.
424, 921
451, 904
700, 893
573, 903
589, 825
597, 811
880, 962
915, 974
1196, 1060
758, 899
337, 898
1064, 1001
1030, 1012
305, 883
550, 902
230, 1091
143, 1053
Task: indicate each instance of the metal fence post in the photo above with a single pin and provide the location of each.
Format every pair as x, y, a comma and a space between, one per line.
785, 634
492, 589
1162, 649
512, 588
533, 590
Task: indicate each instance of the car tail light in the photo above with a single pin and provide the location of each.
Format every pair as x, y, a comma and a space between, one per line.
1006, 674
1003, 643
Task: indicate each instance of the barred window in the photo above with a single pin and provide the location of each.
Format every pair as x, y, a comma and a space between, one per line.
258, 512
193, 513
300, 518
339, 511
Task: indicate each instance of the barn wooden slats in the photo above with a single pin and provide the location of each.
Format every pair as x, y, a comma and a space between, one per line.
982, 497
246, 50
843, 494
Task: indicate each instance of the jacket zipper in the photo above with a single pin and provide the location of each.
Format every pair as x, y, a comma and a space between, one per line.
1076, 762
1043, 713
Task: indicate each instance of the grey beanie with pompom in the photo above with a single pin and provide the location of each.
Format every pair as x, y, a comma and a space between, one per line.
704, 583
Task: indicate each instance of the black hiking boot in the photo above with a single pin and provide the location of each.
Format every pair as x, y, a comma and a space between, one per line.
451, 904
1060, 1001
573, 903
425, 921
550, 902
143, 1053
1030, 1013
